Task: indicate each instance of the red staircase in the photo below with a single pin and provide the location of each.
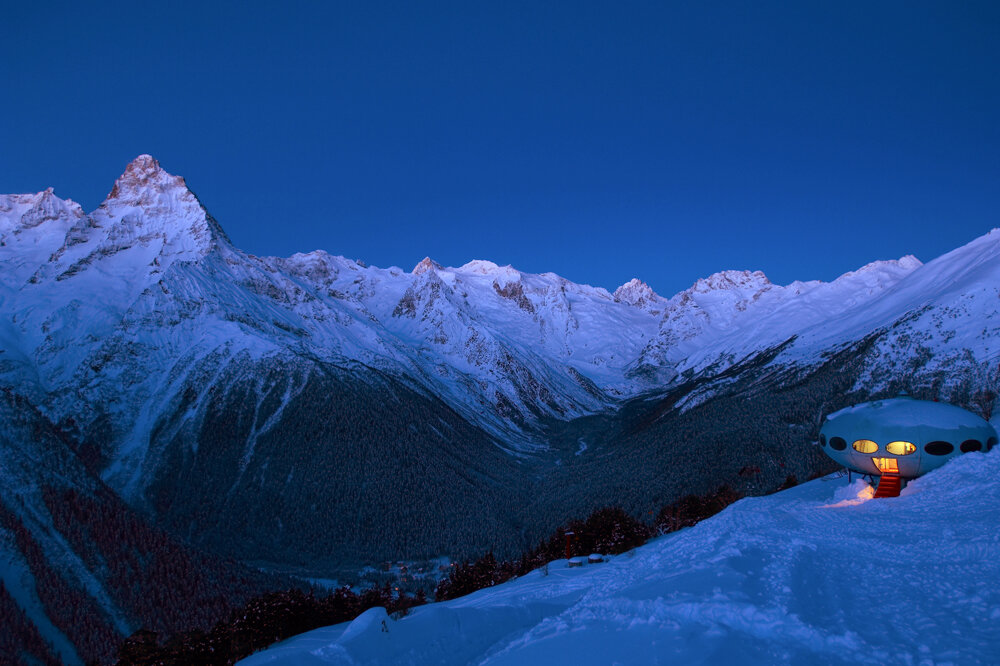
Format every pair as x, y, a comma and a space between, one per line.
889, 485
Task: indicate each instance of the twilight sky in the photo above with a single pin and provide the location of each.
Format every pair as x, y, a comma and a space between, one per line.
601, 141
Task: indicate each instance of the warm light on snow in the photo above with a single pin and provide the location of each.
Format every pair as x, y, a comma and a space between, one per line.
862, 492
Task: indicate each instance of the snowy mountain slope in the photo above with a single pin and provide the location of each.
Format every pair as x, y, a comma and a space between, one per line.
722, 318
949, 337
536, 344
815, 574
936, 331
83, 568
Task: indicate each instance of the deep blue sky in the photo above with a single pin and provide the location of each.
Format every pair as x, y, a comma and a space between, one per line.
599, 141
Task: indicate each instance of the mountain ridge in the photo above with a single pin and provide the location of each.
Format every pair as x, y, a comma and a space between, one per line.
516, 342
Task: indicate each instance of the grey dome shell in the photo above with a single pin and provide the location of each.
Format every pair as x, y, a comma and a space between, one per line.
938, 431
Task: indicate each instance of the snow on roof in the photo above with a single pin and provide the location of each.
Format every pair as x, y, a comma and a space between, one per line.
907, 412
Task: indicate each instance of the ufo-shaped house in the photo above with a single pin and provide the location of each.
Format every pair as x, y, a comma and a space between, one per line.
902, 438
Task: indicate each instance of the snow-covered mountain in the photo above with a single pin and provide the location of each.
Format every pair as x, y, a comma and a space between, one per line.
116, 319
730, 314
317, 409
818, 574
150, 284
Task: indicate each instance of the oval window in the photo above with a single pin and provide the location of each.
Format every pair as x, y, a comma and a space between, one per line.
822, 440
971, 445
865, 446
939, 448
838, 443
900, 448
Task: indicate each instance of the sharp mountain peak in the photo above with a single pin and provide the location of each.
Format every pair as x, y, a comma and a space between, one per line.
732, 279
142, 174
425, 265
635, 292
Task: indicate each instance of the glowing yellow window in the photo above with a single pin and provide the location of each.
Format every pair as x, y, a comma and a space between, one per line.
900, 448
865, 446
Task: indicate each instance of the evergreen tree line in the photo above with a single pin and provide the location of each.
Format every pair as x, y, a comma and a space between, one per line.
65, 603
152, 579
276, 616
159, 582
20, 641
608, 531
324, 485
263, 621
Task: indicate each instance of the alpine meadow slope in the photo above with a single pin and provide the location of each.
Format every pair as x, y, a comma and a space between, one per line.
317, 413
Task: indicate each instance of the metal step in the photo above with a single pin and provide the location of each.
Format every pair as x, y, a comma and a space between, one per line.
889, 485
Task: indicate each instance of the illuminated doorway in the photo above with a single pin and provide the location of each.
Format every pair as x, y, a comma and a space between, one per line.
886, 465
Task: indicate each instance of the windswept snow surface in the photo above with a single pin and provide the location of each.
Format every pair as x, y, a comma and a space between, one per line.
813, 575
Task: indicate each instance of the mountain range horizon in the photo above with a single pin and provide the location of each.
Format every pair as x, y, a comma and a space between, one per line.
148, 163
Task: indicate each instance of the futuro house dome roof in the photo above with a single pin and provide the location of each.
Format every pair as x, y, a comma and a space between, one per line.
907, 436
905, 412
